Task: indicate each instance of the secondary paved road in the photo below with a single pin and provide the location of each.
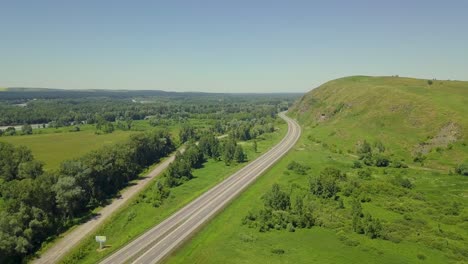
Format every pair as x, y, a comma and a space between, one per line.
59, 249
161, 240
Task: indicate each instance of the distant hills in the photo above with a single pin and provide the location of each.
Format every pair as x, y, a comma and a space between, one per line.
47, 93
18, 93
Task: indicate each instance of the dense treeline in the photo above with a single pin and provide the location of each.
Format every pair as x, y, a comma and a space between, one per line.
68, 111
38, 204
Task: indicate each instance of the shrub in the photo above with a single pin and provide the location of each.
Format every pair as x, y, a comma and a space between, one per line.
10, 131
367, 160
403, 182
277, 199
27, 129
356, 165
462, 169
398, 164
278, 251
381, 161
131, 215
372, 227
364, 198
365, 174
419, 158
326, 184
298, 168
364, 149
379, 146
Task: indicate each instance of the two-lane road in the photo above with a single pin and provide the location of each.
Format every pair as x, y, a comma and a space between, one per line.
161, 240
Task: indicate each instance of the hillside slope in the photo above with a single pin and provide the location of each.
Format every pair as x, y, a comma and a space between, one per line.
409, 116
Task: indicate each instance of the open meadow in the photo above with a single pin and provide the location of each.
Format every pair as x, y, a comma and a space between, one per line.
54, 148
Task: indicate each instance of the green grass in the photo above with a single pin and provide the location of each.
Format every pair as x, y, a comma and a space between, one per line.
137, 217
226, 240
54, 148
3, 89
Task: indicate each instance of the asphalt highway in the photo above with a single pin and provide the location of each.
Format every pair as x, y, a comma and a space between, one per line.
157, 243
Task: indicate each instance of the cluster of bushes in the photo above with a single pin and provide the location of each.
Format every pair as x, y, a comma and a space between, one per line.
11, 131
298, 167
250, 129
280, 213
313, 207
375, 156
107, 127
40, 204
326, 185
365, 223
180, 170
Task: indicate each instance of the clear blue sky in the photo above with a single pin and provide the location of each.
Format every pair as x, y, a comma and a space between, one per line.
227, 46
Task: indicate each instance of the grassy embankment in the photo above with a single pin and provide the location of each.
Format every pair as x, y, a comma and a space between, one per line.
425, 224
138, 216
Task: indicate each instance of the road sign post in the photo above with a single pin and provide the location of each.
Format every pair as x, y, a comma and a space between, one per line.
101, 240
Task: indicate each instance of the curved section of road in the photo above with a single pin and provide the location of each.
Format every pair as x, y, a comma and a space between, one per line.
157, 243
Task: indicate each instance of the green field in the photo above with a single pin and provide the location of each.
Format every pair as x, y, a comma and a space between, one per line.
54, 145
53, 148
424, 224
139, 216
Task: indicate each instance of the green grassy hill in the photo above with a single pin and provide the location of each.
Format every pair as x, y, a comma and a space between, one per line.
406, 115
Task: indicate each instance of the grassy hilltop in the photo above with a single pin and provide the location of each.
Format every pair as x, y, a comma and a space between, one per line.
410, 116
394, 199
